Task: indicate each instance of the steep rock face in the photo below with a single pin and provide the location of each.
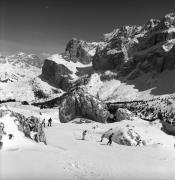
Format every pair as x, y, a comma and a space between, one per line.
160, 33
80, 51
133, 50
58, 74
63, 73
80, 104
169, 59
117, 49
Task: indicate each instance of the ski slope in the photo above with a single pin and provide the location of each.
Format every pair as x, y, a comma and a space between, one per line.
69, 157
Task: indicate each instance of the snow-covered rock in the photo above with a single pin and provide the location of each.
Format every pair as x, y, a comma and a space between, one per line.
140, 133
123, 114
81, 104
19, 67
20, 127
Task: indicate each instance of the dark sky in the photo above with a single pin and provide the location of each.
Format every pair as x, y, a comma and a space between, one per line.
45, 26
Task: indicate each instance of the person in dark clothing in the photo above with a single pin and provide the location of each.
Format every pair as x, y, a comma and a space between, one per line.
102, 137
36, 137
110, 139
1, 144
10, 136
84, 134
50, 122
43, 123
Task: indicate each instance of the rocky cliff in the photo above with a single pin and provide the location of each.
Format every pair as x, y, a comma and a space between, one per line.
80, 51
128, 50
126, 65
131, 49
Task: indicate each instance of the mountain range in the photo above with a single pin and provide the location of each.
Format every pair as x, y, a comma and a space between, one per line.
132, 62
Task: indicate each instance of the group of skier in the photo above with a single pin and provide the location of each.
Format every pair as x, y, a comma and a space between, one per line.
49, 122
102, 137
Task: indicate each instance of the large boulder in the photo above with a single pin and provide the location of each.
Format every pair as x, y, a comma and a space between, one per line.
126, 136
123, 114
81, 104
139, 133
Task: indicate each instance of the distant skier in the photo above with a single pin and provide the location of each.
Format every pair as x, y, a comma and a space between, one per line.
36, 137
1, 144
139, 142
10, 136
43, 123
102, 137
2, 126
84, 134
50, 122
110, 139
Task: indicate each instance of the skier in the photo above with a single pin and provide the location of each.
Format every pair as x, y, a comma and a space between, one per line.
110, 139
139, 142
43, 123
2, 132
84, 134
1, 144
102, 137
10, 136
50, 122
2, 126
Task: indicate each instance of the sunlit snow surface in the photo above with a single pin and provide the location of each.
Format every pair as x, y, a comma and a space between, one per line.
68, 157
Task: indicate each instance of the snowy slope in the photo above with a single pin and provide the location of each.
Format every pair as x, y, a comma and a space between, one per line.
31, 90
68, 157
147, 86
18, 67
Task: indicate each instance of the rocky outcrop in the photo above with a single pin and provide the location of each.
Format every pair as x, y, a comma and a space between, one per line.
81, 104
169, 127
126, 136
123, 114
117, 48
26, 125
65, 74
134, 50
135, 134
56, 74
169, 59
80, 51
